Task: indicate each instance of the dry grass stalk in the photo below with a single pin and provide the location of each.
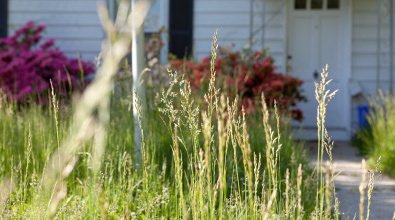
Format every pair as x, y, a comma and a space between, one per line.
287, 196
323, 97
87, 124
362, 189
6, 187
372, 179
299, 188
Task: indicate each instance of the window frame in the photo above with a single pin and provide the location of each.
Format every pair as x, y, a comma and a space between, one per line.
3, 18
325, 4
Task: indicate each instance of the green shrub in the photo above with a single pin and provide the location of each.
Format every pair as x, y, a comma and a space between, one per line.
378, 139
246, 74
195, 163
215, 166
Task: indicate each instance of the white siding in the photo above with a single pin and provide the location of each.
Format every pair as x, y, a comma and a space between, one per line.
364, 51
232, 19
364, 42
73, 24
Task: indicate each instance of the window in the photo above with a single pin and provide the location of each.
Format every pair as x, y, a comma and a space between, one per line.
181, 27
333, 4
316, 4
300, 4
3, 19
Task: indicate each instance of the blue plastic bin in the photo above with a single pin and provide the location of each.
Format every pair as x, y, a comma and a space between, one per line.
363, 111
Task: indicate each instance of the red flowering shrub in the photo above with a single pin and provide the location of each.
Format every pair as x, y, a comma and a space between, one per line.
247, 76
26, 67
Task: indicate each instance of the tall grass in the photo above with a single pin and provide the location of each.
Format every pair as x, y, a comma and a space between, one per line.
325, 186
214, 170
212, 163
378, 138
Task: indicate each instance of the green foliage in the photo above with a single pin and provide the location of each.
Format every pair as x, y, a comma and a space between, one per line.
214, 166
246, 75
29, 138
78, 162
377, 140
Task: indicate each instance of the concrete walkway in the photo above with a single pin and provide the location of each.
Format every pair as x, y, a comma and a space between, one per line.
349, 168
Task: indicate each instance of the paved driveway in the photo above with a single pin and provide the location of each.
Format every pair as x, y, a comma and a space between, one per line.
349, 168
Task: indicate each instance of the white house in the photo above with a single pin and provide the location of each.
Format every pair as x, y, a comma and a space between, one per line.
351, 36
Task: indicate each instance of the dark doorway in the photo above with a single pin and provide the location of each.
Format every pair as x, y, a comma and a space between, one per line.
181, 27
3, 18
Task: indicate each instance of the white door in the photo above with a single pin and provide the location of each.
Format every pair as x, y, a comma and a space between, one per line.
317, 35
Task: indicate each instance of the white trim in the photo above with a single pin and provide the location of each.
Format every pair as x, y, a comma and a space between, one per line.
285, 55
263, 23
348, 62
164, 21
111, 9
286, 52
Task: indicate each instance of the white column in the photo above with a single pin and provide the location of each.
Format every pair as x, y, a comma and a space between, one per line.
137, 68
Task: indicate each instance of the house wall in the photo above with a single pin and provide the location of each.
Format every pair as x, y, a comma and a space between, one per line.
76, 28
365, 50
74, 24
232, 19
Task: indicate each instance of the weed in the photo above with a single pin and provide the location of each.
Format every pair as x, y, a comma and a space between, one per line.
376, 141
209, 163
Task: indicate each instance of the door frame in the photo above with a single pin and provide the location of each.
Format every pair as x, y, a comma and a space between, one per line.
347, 28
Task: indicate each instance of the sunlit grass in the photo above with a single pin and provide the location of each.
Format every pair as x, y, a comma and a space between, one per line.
378, 138
78, 161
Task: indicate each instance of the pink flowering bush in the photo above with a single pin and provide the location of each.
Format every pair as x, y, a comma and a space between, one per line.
246, 75
26, 68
